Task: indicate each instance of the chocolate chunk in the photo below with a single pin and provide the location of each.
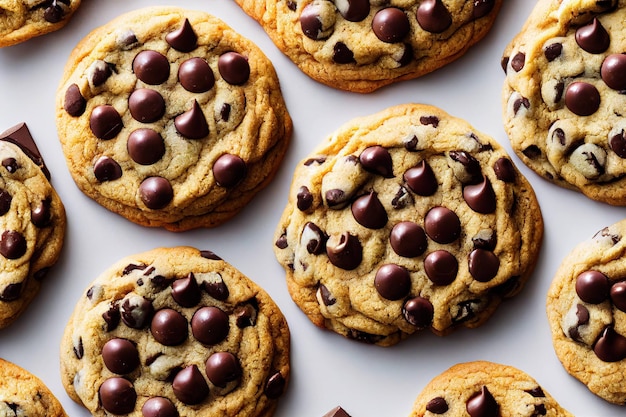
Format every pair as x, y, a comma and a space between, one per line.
337, 412
156, 192
117, 396
342, 54
222, 368
169, 327
40, 215
186, 291
189, 386
105, 122
504, 62
421, 179
377, 159
126, 39
613, 71
11, 292
20, 135
610, 346
518, 61
536, 392
146, 105
159, 407
74, 102
441, 267
353, 10
216, 288
582, 318
437, 405
209, 325
327, 297
136, 312
151, 67
183, 39
442, 225
5, 202
100, 71
314, 239
532, 152
111, 317
582, 98
553, 51
120, 356
245, 315
311, 21
418, 312
433, 16
483, 265
107, 169
335, 198
471, 173
482, 404
225, 112
593, 287
79, 350
344, 251
519, 103
13, 244
369, 212
10, 164
504, 170
408, 239
234, 68
192, 124
229, 170
145, 146
618, 295
593, 37
617, 143
485, 239
392, 282
304, 198
196, 76
275, 385
402, 198
482, 8
391, 24
480, 197
207, 254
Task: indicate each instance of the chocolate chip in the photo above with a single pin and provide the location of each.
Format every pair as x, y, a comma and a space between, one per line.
610, 346
337, 412
430, 120
536, 392
117, 396
222, 368
369, 212
504, 170
408, 239
11, 292
613, 71
582, 98
151, 67
402, 198
327, 297
186, 291
5, 202
245, 315
146, 105
482, 404
344, 251
156, 192
105, 122
136, 312
207, 254
391, 24
196, 76
470, 167
74, 102
433, 16
480, 197
183, 39
189, 386
442, 225
111, 317
483, 265
192, 124
392, 282
617, 143
229, 170
100, 72
40, 215
13, 244
593, 37
618, 295
532, 152
521, 102
342, 54
504, 62
159, 407
10, 164
106, 169
225, 112
441, 267
234, 68
482, 8
582, 318
314, 239
553, 51
311, 21
209, 325
79, 350
518, 61
216, 288
418, 312
169, 327
53, 13
485, 239
592, 287
421, 179
126, 39
120, 356
145, 146
275, 385
377, 159
335, 198
353, 10
304, 198
437, 405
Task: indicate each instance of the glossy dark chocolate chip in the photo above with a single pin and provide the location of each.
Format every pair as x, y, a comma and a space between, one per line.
618, 295
156, 192
40, 215
183, 39
186, 291
234, 68
433, 16
518, 61
120, 356
483, 265
377, 159
353, 10
169, 327
311, 21
216, 288
593, 37
74, 102
391, 24
480, 197
314, 239
437, 405
100, 73
159, 407
245, 315
408, 239
106, 169
192, 124
189, 386
344, 251
342, 54
441, 267
421, 179
196, 76
392, 282
617, 143
146, 105
151, 67
593, 287
53, 13
582, 98
136, 312
610, 346
442, 225
369, 212
482, 404
504, 170
613, 71
11, 292
145, 146
229, 170
117, 395
553, 51
418, 312
275, 385
209, 325
304, 198
13, 244
482, 8
222, 368
5, 202
105, 122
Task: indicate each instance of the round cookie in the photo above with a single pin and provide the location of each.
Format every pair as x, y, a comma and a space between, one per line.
175, 331
170, 118
32, 222
586, 307
563, 95
362, 45
485, 389
23, 394
21, 20
404, 220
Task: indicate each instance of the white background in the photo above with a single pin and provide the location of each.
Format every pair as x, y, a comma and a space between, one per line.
327, 370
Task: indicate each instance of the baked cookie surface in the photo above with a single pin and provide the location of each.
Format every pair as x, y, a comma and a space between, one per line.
21, 20
404, 220
32, 223
23, 394
485, 389
563, 95
175, 331
362, 45
170, 118
586, 307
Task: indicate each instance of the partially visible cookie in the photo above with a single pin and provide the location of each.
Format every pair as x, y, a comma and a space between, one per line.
563, 95
32, 222
21, 20
586, 307
404, 220
170, 118
175, 331
485, 389
23, 394
362, 45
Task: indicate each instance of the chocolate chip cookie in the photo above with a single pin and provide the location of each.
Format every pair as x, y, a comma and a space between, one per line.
21, 20
404, 220
175, 331
32, 222
586, 307
362, 45
23, 394
563, 96
485, 389
170, 118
